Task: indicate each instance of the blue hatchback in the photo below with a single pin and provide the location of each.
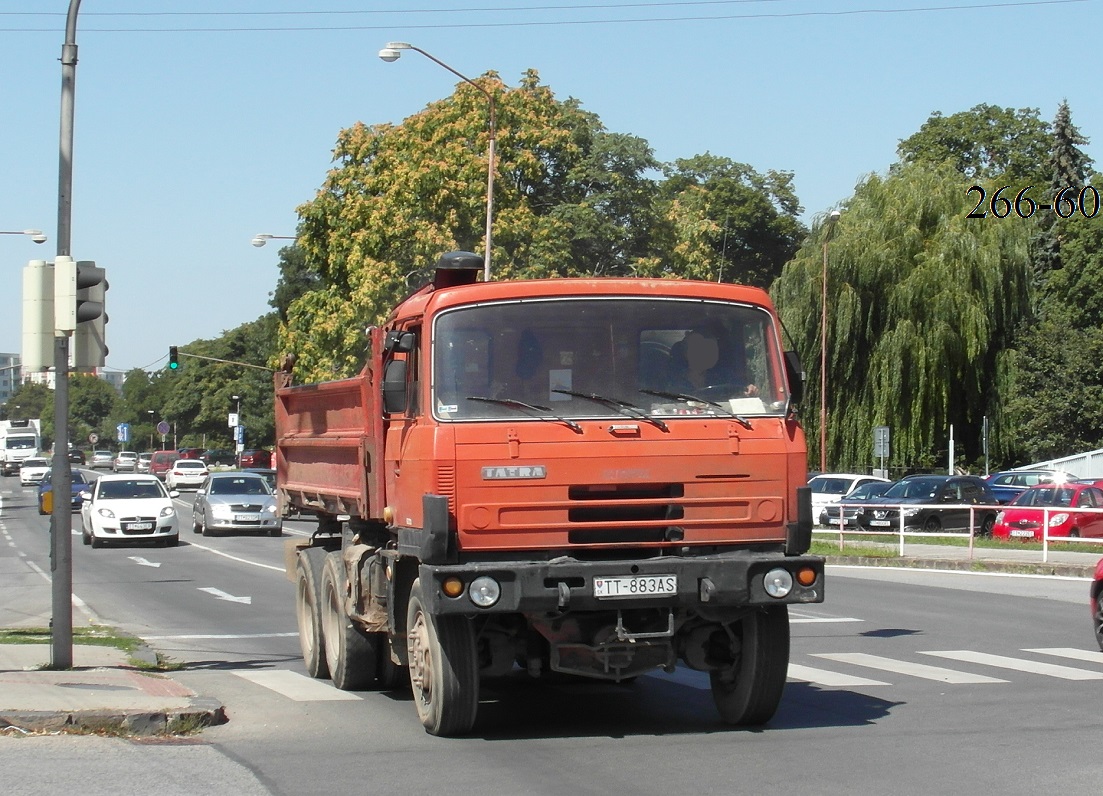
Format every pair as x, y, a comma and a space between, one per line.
1008, 484
80, 484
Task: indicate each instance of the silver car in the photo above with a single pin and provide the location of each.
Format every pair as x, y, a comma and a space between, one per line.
235, 501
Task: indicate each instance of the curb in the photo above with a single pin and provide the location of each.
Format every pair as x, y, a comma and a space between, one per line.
966, 565
201, 712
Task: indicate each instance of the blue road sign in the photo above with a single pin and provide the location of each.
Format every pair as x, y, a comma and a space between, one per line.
123, 432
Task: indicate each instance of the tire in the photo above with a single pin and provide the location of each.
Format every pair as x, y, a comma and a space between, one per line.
390, 676
84, 537
96, 543
932, 525
1097, 620
276, 532
196, 525
444, 674
351, 655
173, 541
1074, 533
748, 694
308, 581
987, 524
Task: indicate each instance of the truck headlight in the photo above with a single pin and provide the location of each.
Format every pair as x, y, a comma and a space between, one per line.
484, 591
778, 582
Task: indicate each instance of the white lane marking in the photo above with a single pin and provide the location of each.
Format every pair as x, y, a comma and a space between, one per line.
1018, 664
1092, 656
77, 601
235, 558
221, 595
807, 674
921, 670
799, 617
297, 686
221, 636
143, 562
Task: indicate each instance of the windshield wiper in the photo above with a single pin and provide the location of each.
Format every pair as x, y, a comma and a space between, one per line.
681, 396
625, 408
515, 404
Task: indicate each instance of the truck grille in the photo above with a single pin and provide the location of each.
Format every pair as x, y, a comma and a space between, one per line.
624, 505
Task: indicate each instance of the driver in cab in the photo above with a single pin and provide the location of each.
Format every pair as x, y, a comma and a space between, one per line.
698, 366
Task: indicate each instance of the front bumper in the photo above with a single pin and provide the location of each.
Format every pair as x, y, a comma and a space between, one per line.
726, 580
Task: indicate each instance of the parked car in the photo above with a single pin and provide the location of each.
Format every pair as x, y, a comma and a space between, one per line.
125, 462
1096, 594
46, 504
967, 498
186, 473
1026, 517
1006, 485
830, 514
32, 470
218, 456
102, 460
77, 457
235, 501
128, 508
256, 457
143, 462
161, 462
832, 487
189, 453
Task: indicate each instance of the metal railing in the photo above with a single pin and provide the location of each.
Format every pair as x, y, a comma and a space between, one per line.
901, 531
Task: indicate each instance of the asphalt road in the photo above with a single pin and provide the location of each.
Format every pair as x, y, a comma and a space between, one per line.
913, 682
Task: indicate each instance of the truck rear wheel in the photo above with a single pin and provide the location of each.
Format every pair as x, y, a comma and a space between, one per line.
444, 674
351, 655
308, 595
749, 692
391, 675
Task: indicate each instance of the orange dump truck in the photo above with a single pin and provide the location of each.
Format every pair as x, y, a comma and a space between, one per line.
597, 477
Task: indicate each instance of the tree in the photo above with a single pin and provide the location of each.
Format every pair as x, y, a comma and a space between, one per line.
922, 303
91, 402
1068, 168
1001, 146
296, 279
725, 221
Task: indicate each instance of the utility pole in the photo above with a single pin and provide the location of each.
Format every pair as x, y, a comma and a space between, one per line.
61, 559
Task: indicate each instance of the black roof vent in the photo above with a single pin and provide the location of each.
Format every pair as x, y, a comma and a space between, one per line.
457, 268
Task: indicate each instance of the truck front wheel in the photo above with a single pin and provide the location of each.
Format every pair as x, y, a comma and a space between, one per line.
351, 655
308, 595
749, 692
444, 673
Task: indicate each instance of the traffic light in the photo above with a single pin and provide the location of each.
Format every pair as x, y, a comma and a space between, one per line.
174, 361
38, 316
80, 291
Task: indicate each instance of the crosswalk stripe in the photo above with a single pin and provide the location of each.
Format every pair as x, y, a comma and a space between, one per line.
807, 674
905, 667
296, 686
1068, 652
800, 620
1018, 664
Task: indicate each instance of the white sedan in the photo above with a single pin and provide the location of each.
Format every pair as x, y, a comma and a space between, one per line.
126, 508
32, 471
186, 473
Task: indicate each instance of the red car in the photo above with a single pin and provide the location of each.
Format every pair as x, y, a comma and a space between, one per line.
1024, 518
256, 458
1097, 603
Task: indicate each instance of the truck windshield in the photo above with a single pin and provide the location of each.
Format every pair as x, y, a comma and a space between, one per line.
607, 358
21, 443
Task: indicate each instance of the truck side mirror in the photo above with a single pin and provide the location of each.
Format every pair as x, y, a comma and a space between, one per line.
795, 375
394, 386
399, 342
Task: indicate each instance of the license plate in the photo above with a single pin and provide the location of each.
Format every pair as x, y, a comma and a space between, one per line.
1023, 533
140, 526
636, 586
246, 517
880, 523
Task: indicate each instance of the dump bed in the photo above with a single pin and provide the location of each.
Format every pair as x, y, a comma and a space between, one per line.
328, 438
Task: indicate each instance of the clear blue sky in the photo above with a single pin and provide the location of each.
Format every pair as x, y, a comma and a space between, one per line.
204, 123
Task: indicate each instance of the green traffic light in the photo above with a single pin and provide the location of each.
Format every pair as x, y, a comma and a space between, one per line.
174, 363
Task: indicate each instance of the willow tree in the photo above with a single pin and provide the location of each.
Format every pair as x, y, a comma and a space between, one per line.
922, 302
570, 199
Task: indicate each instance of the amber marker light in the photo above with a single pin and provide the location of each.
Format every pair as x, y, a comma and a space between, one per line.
806, 576
452, 587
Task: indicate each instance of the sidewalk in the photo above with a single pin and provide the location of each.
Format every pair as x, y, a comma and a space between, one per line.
105, 690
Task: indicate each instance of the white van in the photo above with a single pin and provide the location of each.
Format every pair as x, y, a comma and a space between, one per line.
833, 487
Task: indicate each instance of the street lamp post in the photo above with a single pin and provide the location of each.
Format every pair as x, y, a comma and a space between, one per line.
829, 230
392, 52
35, 234
151, 414
263, 237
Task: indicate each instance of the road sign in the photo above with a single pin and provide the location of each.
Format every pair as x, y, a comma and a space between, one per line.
239, 435
232, 421
93, 438
881, 442
162, 427
123, 432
